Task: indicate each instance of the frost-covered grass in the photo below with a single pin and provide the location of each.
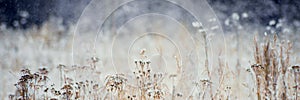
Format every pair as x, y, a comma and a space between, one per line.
37, 64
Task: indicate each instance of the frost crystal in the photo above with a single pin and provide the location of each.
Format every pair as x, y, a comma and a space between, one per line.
227, 22
24, 14
268, 28
272, 22
212, 20
266, 33
201, 30
278, 25
235, 16
245, 15
286, 30
196, 24
214, 27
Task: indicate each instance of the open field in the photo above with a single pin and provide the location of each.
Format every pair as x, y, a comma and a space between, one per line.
234, 71
150, 54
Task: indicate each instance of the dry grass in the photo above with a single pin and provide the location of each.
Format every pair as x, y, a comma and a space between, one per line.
272, 61
272, 74
32, 86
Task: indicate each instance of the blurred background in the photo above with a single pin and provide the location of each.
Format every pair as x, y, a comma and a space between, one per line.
47, 25
23, 14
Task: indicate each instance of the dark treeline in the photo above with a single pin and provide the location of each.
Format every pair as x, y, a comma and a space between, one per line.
25, 13
259, 11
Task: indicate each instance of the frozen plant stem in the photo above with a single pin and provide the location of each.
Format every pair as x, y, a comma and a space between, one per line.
296, 86
296, 70
206, 62
238, 65
266, 65
272, 61
173, 86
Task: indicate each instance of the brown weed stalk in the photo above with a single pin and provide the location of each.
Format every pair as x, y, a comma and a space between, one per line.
271, 61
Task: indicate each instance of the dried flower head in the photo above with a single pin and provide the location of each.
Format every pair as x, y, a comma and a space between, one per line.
115, 83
